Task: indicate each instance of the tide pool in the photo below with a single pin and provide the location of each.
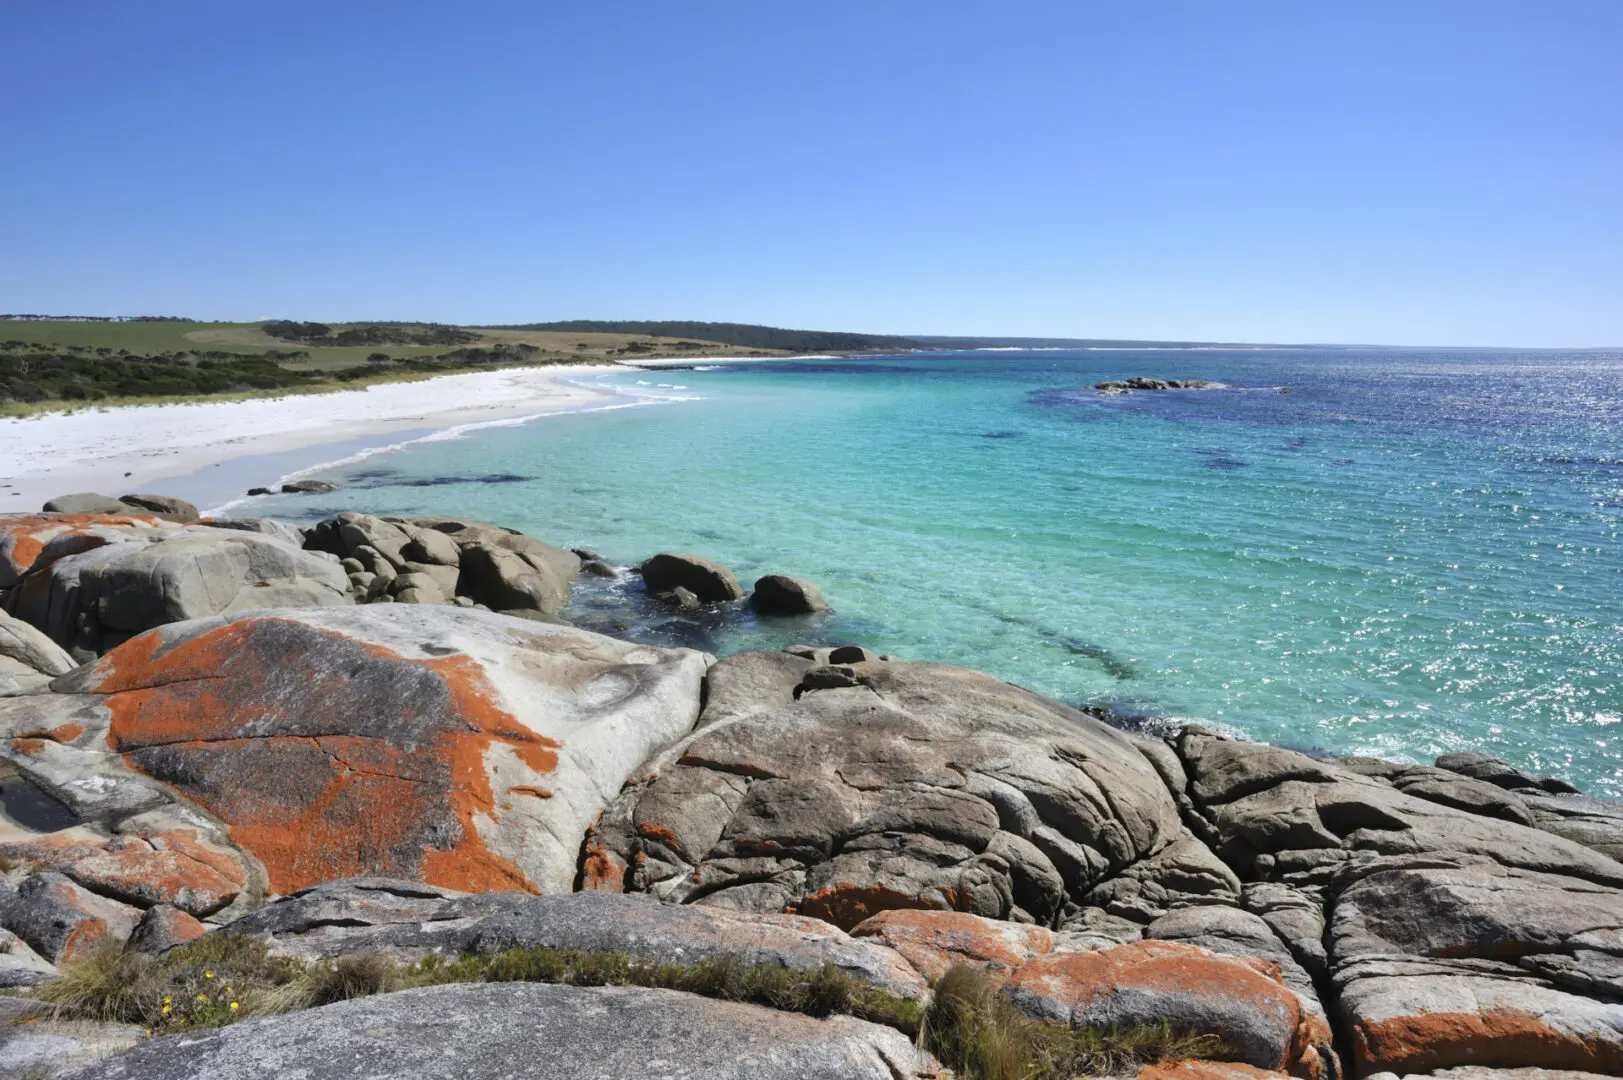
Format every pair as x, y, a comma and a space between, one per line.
1408, 553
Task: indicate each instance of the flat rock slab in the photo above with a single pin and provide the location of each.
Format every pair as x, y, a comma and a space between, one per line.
522, 1031
35, 1046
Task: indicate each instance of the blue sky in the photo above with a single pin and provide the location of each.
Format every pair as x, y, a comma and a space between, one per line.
1423, 173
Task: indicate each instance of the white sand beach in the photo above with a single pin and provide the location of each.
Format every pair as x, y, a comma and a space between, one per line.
135, 448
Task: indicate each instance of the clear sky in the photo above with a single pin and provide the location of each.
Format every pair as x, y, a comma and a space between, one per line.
1399, 172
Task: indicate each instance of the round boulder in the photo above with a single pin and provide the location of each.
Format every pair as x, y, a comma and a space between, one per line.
711, 582
164, 506
778, 594
85, 502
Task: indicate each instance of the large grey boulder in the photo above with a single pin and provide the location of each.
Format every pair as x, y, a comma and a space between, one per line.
469, 561
1440, 965
841, 791
1281, 816
502, 579
164, 506
778, 594
524, 1031
1594, 823
454, 746
87, 502
1492, 770
139, 578
564, 564
710, 581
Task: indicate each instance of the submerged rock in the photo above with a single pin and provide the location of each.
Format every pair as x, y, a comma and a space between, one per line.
1127, 386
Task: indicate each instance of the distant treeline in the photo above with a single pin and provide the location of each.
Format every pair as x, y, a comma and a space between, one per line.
314, 333
92, 318
32, 374
738, 334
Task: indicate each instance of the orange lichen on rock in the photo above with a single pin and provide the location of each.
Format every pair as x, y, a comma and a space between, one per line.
328, 756
24, 537
1499, 1037
54, 851
1076, 982
847, 905
62, 733
662, 834
531, 790
85, 935
28, 746
140, 874
932, 941
602, 870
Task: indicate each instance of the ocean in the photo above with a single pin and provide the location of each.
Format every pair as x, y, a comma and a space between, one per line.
1390, 552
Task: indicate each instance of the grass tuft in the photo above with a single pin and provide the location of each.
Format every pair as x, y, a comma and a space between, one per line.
982, 1037
356, 975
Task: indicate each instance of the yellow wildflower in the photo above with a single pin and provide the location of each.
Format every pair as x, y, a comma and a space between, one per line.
166, 1010
233, 1004
201, 997
167, 999
208, 974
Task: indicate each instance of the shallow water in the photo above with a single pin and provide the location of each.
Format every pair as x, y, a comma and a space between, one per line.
1412, 552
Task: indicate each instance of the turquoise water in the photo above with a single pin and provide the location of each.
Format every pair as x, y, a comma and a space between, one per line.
1410, 553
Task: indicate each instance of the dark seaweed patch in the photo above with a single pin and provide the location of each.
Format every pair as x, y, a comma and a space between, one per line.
445, 481
1115, 666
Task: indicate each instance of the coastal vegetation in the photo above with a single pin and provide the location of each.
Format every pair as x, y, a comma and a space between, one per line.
34, 376
740, 334
50, 363
225, 977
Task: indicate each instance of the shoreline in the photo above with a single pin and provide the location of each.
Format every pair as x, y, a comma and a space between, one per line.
130, 448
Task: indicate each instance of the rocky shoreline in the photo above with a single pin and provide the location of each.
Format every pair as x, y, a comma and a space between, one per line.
377, 738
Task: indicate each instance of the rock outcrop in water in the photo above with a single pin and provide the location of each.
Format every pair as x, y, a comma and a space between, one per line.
1114, 387
256, 748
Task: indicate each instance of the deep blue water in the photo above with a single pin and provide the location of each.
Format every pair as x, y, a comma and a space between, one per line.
1411, 552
